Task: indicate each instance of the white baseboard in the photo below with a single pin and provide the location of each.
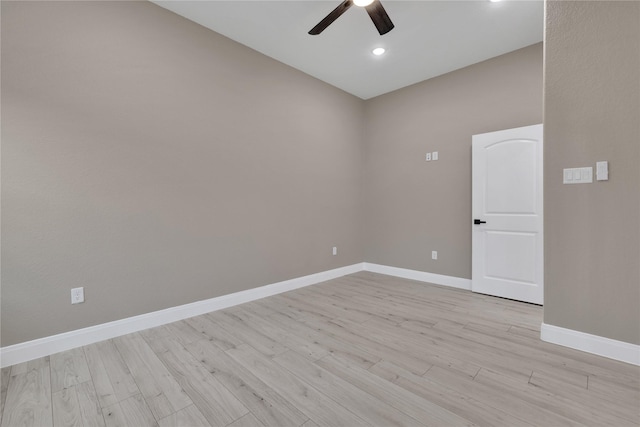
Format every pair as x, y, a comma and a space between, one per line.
23, 352
606, 347
421, 276
30, 350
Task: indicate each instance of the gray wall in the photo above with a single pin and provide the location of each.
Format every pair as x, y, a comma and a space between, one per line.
157, 163
592, 113
413, 207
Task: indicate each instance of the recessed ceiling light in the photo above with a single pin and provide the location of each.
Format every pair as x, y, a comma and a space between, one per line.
378, 51
362, 3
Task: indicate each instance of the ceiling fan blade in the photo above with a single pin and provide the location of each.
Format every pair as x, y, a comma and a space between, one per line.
379, 17
335, 14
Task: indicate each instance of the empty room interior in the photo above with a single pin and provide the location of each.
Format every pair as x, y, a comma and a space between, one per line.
240, 213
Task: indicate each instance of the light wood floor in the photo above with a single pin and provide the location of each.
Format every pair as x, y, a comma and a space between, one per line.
364, 349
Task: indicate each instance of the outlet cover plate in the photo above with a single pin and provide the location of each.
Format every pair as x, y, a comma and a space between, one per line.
77, 295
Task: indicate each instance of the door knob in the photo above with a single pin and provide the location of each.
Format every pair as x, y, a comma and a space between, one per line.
477, 222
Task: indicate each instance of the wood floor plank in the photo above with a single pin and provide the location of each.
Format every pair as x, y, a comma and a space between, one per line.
445, 303
364, 405
131, 412
256, 307
374, 307
4, 385
459, 403
328, 306
412, 294
213, 332
160, 339
506, 402
308, 349
161, 391
382, 350
24, 367
184, 332
400, 309
425, 411
68, 368
235, 325
90, 410
218, 405
104, 388
550, 354
554, 402
559, 376
317, 406
111, 377
285, 307
186, 417
330, 343
113, 416
66, 410
541, 366
29, 396
264, 403
452, 342
525, 332
248, 420
323, 307
614, 391
626, 406
402, 340
136, 412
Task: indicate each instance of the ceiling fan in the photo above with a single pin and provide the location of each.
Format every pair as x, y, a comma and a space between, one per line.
374, 8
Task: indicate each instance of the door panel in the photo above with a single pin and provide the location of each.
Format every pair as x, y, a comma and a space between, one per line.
507, 258
511, 177
511, 256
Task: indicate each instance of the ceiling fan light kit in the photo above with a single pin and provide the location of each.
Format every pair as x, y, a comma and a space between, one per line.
373, 7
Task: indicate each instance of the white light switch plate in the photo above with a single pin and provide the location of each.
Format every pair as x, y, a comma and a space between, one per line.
602, 171
577, 175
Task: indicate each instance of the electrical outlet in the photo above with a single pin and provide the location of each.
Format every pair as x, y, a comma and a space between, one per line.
427, 157
77, 295
434, 254
335, 250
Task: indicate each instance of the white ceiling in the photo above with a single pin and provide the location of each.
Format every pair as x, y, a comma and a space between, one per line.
430, 38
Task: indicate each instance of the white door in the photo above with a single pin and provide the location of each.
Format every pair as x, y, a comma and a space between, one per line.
507, 239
